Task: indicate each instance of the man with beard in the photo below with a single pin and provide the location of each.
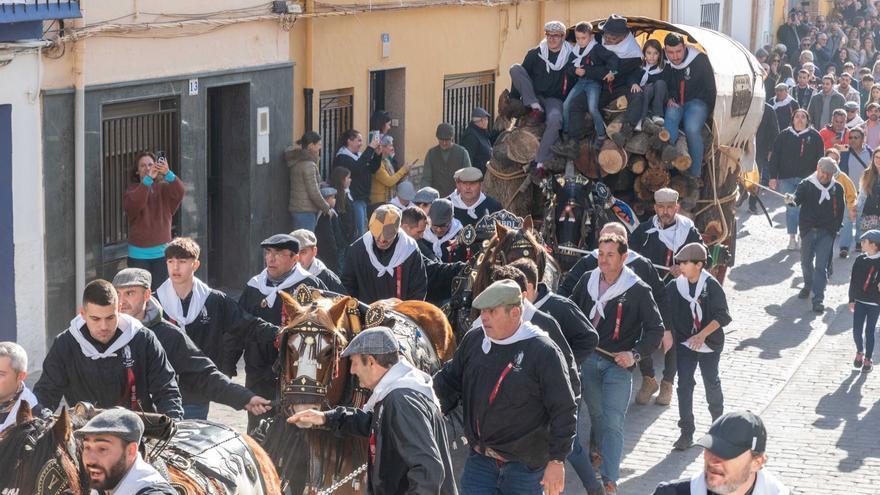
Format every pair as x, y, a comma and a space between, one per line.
440, 237
802, 91
836, 135
111, 457
470, 203
844, 87
414, 223
108, 359
872, 126
385, 263
13, 391
734, 456
824, 103
308, 259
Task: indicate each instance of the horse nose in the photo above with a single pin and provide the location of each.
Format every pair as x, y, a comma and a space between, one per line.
304, 407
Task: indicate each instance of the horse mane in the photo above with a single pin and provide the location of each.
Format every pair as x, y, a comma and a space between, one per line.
431, 319
500, 244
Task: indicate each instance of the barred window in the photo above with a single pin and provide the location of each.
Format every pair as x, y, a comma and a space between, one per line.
709, 15
336, 117
462, 93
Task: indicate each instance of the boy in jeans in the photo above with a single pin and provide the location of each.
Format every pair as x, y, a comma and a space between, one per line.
591, 63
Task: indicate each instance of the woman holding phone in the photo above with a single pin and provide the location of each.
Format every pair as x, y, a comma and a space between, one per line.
150, 204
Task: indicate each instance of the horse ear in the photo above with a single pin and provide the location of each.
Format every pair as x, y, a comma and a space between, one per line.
337, 311
61, 428
24, 413
500, 230
294, 309
528, 225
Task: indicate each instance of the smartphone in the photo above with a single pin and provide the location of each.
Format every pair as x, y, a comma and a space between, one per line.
160, 155
373, 135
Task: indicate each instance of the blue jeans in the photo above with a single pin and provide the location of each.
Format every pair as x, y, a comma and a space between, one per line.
792, 213
846, 232
485, 476
694, 114
305, 220
816, 245
360, 216
196, 411
865, 322
580, 458
687, 365
593, 89
606, 389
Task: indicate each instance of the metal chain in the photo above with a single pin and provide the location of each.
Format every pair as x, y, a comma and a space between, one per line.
343, 481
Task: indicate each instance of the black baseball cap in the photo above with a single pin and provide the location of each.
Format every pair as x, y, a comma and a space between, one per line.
281, 241
735, 433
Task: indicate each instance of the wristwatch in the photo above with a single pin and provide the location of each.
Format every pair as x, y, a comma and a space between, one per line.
636, 356
554, 461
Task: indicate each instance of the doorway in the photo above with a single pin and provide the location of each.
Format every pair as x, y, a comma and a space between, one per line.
228, 171
388, 92
7, 257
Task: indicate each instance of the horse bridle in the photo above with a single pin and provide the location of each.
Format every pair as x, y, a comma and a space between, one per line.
303, 389
51, 479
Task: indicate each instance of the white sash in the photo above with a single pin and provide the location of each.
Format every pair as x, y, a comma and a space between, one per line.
627, 279
402, 375
129, 326
675, 235
561, 59
406, 245
824, 191
261, 283
454, 228
173, 306
27, 396
471, 210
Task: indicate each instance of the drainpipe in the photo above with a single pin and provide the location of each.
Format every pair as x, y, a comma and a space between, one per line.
309, 90
79, 161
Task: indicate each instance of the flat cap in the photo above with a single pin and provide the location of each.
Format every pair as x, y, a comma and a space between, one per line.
735, 433
501, 293
872, 235
305, 238
326, 192
828, 165
781, 86
426, 195
851, 105
554, 27
385, 222
387, 140
468, 174
118, 422
665, 195
693, 251
479, 113
406, 191
441, 212
281, 241
133, 277
376, 340
445, 131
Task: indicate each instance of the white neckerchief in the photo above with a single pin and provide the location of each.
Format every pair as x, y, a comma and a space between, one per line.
691, 55
579, 53
648, 71
347, 152
765, 484
683, 286
316, 267
628, 48
798, 133
630, 256
674, 236
776, 104
348, 195
436, 243
471, 210
824, 191
402, 375
396, 202
525, 331
261, 283
140, 476
627, 279
129, 326
25, 395
173, 306
406, 245
561, 59
540, 302
872, 256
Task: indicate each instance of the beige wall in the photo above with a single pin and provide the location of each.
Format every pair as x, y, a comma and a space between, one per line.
429, 43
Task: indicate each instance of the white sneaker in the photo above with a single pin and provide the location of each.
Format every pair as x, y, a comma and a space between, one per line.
638, 127
793, 244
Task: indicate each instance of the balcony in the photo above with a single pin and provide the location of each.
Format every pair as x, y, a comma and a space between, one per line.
23, 19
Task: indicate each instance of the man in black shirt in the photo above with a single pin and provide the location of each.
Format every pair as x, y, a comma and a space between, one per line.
470, 202
519, 409
308, 259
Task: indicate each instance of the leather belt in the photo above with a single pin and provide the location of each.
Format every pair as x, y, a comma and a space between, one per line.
490, 453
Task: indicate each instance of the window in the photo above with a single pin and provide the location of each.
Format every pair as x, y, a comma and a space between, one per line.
463, 92
126, 130
336, 117
709, 15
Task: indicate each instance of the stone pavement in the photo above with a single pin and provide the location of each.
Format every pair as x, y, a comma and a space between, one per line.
780, 360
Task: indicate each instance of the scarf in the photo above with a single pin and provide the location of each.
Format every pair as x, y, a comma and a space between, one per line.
824, 191
627, 279
261, 283
681, 283
471, 210
525, 331
674, 236
648, 71
347, 152
778, 104
631, 256
140, 476
561, 58
317, 267
579, 53
765, 484
396, 202
129, 326
436, 243
173, 306
628, 48
23, 394
691, 55
406, 246
403, 375
798, 133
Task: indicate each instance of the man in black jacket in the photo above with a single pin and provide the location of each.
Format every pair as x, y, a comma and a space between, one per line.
519, 409
822, 207
768, 129
441, 237
308, 259
414, 223
108, 359
402, 419
477, 139
787, 34
362, 166
199, 379
802, 92
470, 202
624, 313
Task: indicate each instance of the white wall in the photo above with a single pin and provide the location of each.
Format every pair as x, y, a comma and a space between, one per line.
739, 13
21, 89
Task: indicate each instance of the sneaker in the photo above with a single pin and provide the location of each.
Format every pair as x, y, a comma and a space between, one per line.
793, 244
818, 307
868, 366
638, 127
804, 293
610, 487
858, 361
844, 253
684, 442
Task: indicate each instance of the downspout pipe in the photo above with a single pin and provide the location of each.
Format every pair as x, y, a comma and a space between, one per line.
79, 162
309, 88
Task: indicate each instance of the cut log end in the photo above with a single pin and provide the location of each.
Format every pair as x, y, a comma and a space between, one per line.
611, 158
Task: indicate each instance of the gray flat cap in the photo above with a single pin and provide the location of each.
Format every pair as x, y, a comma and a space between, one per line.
827, 165
281, 241
501, 293
445, 131
468, 174
118, 422
376, 340
554, 27
133, 277
691, 252
851, 105
480, 113
665, 195
781, 86
872, 235
441, 212
305, 238
406, 191
426, 195
326, 192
